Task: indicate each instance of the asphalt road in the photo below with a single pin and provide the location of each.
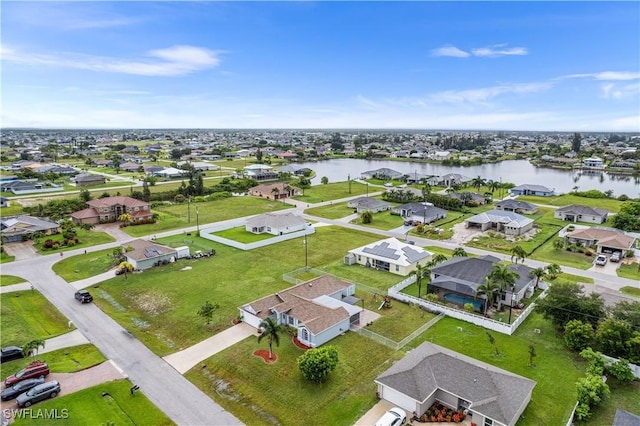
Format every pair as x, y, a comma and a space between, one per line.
178, 398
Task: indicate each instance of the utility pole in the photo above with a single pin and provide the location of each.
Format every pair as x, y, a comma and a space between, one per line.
197, 222
189, 210
349, 180
306, 256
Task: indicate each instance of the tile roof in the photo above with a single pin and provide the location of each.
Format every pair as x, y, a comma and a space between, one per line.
609, 237
510, 219
118, 200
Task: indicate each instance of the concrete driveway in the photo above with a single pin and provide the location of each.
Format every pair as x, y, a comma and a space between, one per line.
186, 359
73, 338
609, 268
374, 414
21, 251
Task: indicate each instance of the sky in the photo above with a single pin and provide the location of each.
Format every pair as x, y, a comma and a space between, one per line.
530, 66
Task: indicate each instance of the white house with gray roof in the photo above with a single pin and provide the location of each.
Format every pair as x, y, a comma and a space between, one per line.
516, 206
368, 204
527, 189
389, 255
430, 373
507, 222
143, 254
277, 224
579, 213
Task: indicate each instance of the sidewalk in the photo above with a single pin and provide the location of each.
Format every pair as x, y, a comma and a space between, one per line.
73, 338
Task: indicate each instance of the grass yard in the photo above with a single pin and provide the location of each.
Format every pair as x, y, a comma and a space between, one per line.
382, 220
631, 291
623, 396
565, 278
10, 280
331, 211
241, 235
160, 305
13, 209
547, 253
86, 239
66, 360
83, 266
5, 258
334, 191
90, 407
177, 215
27, 315
631, 271
230, 378
610, 204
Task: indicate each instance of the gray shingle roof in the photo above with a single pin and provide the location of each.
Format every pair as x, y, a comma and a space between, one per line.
492, 392
583, 210
515, 204
276, 220
500, 216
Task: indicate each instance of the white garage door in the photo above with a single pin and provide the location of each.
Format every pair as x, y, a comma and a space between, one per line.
399, 399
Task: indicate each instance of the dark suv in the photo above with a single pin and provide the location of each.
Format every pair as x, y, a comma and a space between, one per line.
38, 393
33, 370
84, 296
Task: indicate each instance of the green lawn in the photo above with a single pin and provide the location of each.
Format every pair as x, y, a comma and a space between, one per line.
66, 360
14, 209
230, 378
10, 279
241, 235
27, 315
623, 396
631, 291
86, 239
164, 301
610, 204
382, 220
334, 191
5, 258
109, 403
177, 216
565, 278
331, 211
631, 271
83, 266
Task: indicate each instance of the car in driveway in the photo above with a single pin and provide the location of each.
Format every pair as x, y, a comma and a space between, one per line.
615, 257
38, 393
601, 260
394, 417
37, 369
20, 387
10, 353
83, 296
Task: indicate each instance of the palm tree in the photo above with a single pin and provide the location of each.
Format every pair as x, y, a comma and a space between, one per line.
493, 185
553, 270
538, 273
558, 243
437, 259
287, 189
459, 252
489, 290
422, 272
505, 277
31, 348
518, 253
270, 329
478, 182
125, 217
276, 192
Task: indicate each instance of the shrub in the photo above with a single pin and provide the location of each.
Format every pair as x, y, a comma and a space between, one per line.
623, 197
316, 364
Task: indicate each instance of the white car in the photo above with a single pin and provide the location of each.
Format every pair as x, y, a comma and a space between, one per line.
394, 417
601, 260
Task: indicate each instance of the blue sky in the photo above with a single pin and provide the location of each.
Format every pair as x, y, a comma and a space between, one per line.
571, 66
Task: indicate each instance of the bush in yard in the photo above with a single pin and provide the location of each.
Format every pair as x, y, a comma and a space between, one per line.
620, 370
591, 391
578, 335
611, 336
316, 364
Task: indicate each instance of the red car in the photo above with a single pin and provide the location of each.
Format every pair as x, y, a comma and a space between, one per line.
36, 369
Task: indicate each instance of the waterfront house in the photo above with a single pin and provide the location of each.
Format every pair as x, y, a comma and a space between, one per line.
594, 163
528, 189
382, 174
430, 373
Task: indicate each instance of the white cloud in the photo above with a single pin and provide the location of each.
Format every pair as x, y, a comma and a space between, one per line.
620, 91
607, 76
168, 62
485, 94
498, 50
449, 51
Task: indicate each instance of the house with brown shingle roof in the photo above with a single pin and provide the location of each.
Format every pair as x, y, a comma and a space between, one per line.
109, 209
143, 254
607, 240
319, 309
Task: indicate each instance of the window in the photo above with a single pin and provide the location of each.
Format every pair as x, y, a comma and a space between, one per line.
488, 422
290, 320
397, 268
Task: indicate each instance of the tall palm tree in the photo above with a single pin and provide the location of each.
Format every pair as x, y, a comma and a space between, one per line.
489, 290
276, 192
437, 259
422, 272
459, 252
478, 182
505, 277
31, 348
493, 185
270, 330
538, 273
518, 253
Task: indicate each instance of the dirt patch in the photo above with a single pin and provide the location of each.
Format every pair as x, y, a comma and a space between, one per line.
152, 304
462, 234
264, 354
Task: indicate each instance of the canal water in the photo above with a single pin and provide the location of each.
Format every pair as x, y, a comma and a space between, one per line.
518, 172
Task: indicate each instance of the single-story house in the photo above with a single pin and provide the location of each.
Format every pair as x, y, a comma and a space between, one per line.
456, 281
425, 213
109, 209
170, 173
430, 373
87, 179
130, 166
199, 165
4, 202
294, 169
503, 221
276, 224
471, 197
54, 168
19, 228
539, 190
579, 213
382, 174
450, 179
275, 191
368, 204
389, 255
607, 240
143, 254
516, 206
320, 309
416, 177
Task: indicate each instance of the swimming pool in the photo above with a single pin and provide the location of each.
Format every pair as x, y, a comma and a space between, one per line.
459, 299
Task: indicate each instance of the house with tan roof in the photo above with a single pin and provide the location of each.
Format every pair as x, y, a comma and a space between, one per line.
20, 228
109, 209
320, 309
275, 191
143, 254
607, 240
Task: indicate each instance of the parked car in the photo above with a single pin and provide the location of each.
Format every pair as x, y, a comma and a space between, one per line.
10, 353
38, 393
20, 387
394, 417
37, 369
601, 260
83, 296
615, 257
